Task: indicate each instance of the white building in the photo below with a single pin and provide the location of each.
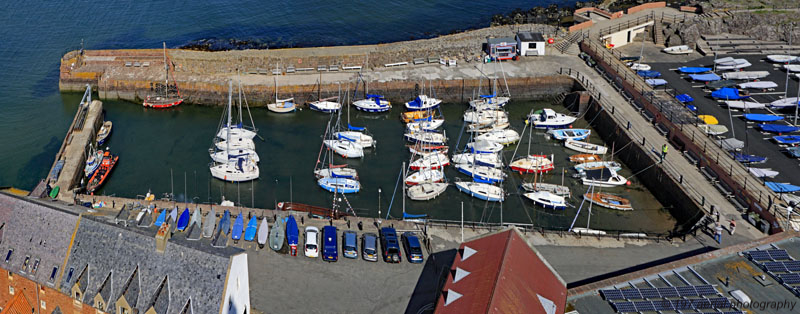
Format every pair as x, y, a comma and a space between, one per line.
530, 44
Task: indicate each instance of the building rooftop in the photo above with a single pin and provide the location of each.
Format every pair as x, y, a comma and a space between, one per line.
500, 40
530, 36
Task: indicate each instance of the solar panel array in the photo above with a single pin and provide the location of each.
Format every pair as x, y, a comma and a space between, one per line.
655, 293
780, 265
672, 305
702, 297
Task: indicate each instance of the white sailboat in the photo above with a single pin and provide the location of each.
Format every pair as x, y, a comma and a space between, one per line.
240, 143
484, 147
224, 155
281, 105
239, 169
491, 160
585, 147
424, 176
485, 116
238, 129
504, 137
483, 191
345, 148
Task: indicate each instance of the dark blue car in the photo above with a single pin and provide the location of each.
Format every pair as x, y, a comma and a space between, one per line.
413, 247
390, 247
329, 246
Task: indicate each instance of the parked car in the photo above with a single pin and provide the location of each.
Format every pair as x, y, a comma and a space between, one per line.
369, 247
412, 247
311, 246
390, 249
329, 245
350, 244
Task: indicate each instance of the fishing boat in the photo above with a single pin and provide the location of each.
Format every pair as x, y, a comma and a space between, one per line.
745, 75
251, 229
101, 174
238, 170
758, 85
484, 147
337, 172
585, 147
785, 102
345, 148
483, 191
421, 126
728, 93
787, 139
263, 233
713, 129
431, 161
748, 159
546, 199
706, 77
339, 185
104, 132
570, 134
503, 137
292, 235
793, 151
224, 156
430, 138
416, 116
277, 234
426, 191
678, 50
423, 102
722, 83
489, 101
656, 82
781, 58
608, 201
356, 135
236, 144
210, 223
549, 119
183, 220
482, 173
763, 172
373, 103
532, 164
490, 160
238, 228
649, 74
281, 105
581, 158
162, 217
224, 223
640, 67
548, 187
694, 70
741, 104
778, 128
760, 117
165, 96
593, 165
603, 177
93, 162
485, 117
424, 176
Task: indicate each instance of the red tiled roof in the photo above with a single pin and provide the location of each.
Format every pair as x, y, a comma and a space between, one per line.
18, 305
506, 275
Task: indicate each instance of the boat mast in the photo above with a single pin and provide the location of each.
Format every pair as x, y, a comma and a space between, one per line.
404, 190
228, 136
166, 72
240, 102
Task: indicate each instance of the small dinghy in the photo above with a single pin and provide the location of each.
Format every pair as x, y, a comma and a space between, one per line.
781, 58
345, 148
678, 50
785, 102
759, 85
787, 139
759, 117
237, 144
741, 104
640, 67
162, 217
581, 158
263, 233
485, 117
745, 75
748, 159
483, 191
721, 83
292, 235
608, 201
282, 106
707, 77
532, 164
585, 147
548, 119
373, 103
593, 165
713, 129
210, 224
656, 82
104, 132
489, 101
570, 134
782, 187
356, 136
484, 147
426, 191
549, 187
793, 151
424, 176
195, 230
778, 128
764, 172
252, 228
693, 70
547, 200
431, 161
336, 172
339, 185
183, 220
503, 137
649, 74
422, 126
416, 116
423, 102
736, 64
482, 173
277, 234
603, 177
684, 98
728, 93
224, 156
730, 144
792, 67
489, 160
430, 138
238, 228
225, 223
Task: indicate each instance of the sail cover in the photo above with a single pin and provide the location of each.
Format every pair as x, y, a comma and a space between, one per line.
762, 117
694, 70
727, 93
778, 128
708, 77
648, 74
684, 98
782, 187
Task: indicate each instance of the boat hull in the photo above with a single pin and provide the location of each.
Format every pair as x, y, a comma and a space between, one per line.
481, 191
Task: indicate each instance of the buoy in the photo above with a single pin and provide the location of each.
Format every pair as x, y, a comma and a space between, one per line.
551, 40
628, 183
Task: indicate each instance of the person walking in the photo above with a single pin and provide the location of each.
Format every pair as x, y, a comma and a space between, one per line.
716, 215
718, 233
664, 149
733, 226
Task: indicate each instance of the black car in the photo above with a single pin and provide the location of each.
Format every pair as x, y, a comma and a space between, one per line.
390, 248
412, 246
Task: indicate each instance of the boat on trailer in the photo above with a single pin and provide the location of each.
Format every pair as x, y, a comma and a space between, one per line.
251, 229
263, 233
277, 234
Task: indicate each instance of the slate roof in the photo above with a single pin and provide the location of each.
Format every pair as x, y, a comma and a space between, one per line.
34, 229
194, 269
131, 289
530, 37
499, 40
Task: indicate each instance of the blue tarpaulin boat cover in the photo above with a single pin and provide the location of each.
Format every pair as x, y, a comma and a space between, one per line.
744, 158
787, 139
708, 77
782, 187
778, 128
648, 74
356, 128
762, 117
656, 82
727, 93
684, 98
489, 96
407, 215
692, 108
694, 70
374, 96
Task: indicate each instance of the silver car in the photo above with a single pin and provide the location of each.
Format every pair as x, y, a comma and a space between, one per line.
369, 247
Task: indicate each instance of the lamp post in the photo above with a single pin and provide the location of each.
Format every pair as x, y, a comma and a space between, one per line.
379, 207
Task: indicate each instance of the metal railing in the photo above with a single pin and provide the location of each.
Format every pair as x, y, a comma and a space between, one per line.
632, 23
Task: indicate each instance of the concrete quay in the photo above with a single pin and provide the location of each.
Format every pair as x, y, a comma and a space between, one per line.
75, 147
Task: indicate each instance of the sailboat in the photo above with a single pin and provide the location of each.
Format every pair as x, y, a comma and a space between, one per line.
549, 119
263, 232
251, 229
490, 160
239, 130
371, 102
503, 137
483, 191
532, 163
356, 135
239, 169
424, 102
281, 105
325, 105
546, 199
167, 99
277, 234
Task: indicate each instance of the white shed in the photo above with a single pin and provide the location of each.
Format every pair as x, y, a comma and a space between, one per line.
530, 44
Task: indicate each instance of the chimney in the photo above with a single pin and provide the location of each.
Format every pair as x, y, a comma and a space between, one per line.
162, 236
